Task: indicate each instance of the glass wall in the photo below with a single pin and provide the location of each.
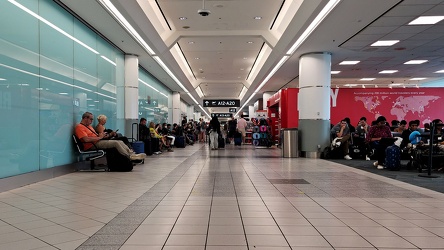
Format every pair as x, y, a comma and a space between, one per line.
52, 69
153, 98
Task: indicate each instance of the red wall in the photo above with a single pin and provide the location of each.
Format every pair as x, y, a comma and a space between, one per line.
407, 104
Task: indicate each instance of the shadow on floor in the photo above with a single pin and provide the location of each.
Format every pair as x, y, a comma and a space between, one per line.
404, 175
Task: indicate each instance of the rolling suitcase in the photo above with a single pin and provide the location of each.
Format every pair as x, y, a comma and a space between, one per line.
221, 142
237, 138
138, 146
393, 158
148, 147
179, 142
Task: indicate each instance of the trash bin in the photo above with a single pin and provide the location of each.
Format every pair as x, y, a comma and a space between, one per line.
290, 142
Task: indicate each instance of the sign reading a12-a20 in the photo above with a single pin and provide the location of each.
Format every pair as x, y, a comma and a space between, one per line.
221, 103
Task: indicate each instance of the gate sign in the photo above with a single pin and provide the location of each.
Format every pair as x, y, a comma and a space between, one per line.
221, 103
227, 115
232, 110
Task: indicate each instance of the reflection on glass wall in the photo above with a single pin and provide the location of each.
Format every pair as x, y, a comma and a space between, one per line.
153, 99
52, 69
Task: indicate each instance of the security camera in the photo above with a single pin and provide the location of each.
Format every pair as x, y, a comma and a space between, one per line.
204, 12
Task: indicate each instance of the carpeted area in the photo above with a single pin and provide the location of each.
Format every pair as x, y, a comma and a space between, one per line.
404, 175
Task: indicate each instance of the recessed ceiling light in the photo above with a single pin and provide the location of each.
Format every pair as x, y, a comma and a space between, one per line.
388, 71
396, 84
426, 20
416, 61
333, 72
385, 43
250, 42
245, 58
351, 85
191, 42
63, 93
241, 69
349, 62
197, 58
440, 71
257, 18
182, 18
367, 79
96, 101
418, 78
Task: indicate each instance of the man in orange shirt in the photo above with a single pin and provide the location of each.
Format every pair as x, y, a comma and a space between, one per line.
85, 132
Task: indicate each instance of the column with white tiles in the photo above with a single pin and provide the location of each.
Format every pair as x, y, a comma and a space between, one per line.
314, 102
128, 93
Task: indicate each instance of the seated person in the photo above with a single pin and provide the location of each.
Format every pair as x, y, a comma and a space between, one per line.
109, 134
162, 139
375, 134
86, 134
341, 130
144, 131
438, 133
167, 133
401, 127
413, 126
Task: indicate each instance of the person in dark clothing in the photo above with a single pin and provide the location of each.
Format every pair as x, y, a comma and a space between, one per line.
375, 134
144, 131
214, 132
413, 126
232, 124
351, 127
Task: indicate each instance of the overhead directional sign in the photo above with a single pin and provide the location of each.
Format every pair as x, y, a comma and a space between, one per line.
221, 103
221, 114
232, 110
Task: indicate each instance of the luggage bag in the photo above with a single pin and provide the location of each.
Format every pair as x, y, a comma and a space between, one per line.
117, 162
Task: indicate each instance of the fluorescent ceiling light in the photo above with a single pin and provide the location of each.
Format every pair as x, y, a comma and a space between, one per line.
2, 79
349, 62
169, 72
351, 85
335, 72
385, 43
417, 79
439, 71
426, 20
125, 24
192, 97
282, 61
416, 61
199, 91
388, 71
395, 84
318, 19
243, 91
367, 79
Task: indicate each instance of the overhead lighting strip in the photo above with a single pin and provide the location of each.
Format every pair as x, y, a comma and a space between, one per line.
313, 25
126, 25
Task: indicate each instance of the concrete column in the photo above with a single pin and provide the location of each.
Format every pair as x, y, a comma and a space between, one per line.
131, 92
265, 97
175, 108
314, 102
251, 112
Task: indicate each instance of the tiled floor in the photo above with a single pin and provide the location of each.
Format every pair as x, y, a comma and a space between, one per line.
236, 198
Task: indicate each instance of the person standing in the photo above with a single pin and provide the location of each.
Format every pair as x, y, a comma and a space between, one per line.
214, 133
232, 125
241, 126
